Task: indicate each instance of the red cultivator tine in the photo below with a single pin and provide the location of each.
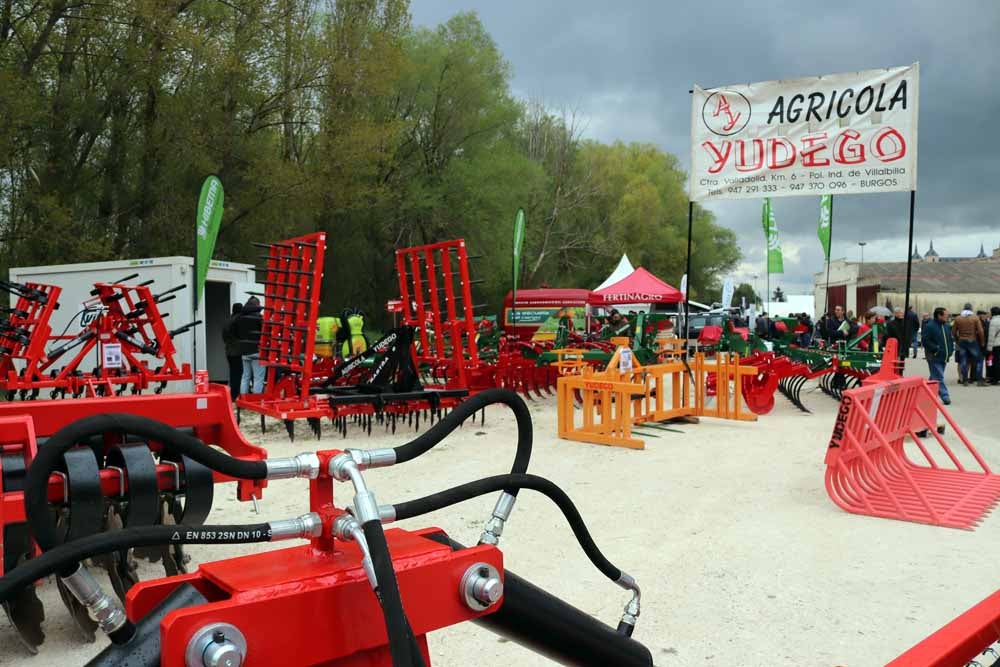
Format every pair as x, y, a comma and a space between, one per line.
869, 471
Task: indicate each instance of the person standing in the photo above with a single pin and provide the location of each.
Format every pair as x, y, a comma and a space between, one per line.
984, 351
837, 327
248, 326
762, 327
938, 346
969, 336
232, 343
993, 344
914, 320
901, 330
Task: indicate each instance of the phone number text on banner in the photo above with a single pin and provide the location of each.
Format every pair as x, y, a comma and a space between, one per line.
835, 134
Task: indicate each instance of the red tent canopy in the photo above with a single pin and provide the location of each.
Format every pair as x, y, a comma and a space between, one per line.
640, 286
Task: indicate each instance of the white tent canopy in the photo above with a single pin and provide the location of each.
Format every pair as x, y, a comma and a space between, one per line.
623, 270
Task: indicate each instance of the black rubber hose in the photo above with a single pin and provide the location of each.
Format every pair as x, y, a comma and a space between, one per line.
63, 560
402, 643
467, 408
458, 494
36, 501
553, 628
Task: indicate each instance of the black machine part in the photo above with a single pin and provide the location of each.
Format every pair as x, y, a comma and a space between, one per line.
143, 649
551, 627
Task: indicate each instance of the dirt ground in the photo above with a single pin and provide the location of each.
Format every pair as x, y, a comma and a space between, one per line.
741, 556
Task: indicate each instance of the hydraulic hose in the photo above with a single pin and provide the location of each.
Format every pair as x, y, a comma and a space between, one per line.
428, 440
66, 557
547, 625
402, 644
36, 504
461, 493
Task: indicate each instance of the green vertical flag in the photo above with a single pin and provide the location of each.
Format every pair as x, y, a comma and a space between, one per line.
518, 243
207, 229
775, 262
825, 223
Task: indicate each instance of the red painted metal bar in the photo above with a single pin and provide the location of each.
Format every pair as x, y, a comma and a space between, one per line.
960, 641
469, 317
432, 290
283, 593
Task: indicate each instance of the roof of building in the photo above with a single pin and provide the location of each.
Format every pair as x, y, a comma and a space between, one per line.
931, 252
982, 252
916, 253
954, 277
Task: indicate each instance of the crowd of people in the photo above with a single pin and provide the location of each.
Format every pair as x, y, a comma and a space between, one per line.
972, 338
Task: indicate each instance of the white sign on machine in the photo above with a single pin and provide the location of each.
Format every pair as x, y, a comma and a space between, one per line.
112, 355
836, 134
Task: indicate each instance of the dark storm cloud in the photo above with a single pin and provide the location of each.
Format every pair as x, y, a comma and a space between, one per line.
627, 67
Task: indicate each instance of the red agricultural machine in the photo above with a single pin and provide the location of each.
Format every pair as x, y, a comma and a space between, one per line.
789, 368
354, 594
888, 458
134, 347
423, 367
114, 479
297, 387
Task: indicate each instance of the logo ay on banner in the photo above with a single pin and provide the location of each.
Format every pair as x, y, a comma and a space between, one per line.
836, 134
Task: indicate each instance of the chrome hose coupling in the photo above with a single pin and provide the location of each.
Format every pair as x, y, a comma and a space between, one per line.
495, 525
343, 467
632, 609
305, 464
305, 526
347, 528
103, 608
373, 458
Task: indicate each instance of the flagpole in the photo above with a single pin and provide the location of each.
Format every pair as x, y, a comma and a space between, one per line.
687, 286
767, 257
194, 302
909, 270
829, 244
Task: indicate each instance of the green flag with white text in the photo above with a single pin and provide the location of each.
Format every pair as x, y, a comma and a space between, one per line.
518, 243
825, 223
207, 229
775, 262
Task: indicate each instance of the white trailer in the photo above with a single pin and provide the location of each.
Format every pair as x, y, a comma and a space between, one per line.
227, 283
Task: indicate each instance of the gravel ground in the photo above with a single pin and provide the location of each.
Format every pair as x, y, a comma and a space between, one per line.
742, 558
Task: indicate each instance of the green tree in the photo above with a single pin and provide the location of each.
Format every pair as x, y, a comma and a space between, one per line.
336, 116
744, 291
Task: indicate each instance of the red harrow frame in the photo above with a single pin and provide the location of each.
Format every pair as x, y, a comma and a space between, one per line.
297, 387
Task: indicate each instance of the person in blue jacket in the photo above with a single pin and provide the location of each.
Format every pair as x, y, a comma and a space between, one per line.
938, 347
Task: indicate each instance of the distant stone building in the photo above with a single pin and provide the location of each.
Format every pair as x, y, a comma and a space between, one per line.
935, 281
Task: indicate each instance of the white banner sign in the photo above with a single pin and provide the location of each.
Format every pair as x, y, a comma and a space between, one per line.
727, 292
836, 134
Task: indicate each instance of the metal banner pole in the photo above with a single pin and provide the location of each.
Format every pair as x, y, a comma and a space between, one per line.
687, 287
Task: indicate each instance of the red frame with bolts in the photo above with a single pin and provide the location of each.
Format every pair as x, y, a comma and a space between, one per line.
276, 597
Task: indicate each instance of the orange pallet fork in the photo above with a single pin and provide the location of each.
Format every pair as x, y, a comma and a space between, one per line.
627, 395
870, 472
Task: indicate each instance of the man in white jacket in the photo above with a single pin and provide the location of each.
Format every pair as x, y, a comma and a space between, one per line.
993, 345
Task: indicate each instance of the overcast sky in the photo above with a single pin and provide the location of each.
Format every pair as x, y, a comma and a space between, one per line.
627, 67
